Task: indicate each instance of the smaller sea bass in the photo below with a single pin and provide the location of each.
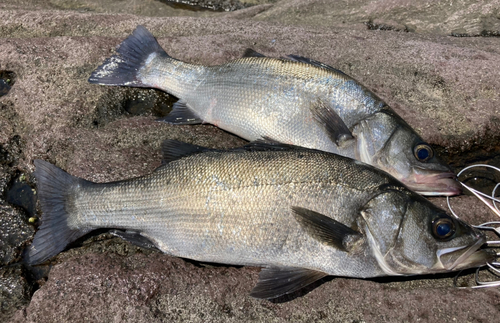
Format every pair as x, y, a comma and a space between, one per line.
295, 101
301, 214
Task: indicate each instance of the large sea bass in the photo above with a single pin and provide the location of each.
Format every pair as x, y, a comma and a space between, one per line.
301, 214
294, 101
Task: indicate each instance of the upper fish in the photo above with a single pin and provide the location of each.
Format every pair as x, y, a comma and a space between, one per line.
293, 100
301, 214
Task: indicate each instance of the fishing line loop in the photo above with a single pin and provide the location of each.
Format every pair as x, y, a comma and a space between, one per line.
493, 203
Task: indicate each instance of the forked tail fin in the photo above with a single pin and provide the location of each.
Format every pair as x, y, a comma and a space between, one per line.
56, 190
133, 53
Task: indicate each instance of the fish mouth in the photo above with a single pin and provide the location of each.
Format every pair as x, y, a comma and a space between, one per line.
472, 257
442, 183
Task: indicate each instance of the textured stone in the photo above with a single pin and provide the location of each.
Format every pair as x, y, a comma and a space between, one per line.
445, 87
15, 291
112, 288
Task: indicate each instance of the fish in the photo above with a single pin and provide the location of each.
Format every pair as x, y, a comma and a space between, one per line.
299, 214
293, 100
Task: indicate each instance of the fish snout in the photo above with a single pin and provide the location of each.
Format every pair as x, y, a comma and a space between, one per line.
442, 183
474, 256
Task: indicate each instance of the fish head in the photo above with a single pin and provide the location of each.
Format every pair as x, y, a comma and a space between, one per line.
387, 142
409, 236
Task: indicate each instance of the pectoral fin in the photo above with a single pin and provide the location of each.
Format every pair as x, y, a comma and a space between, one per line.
326, 229
331, 122
277, 281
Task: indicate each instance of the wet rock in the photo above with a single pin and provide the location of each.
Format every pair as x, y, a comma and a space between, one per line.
15, 291
7, 80
15, 232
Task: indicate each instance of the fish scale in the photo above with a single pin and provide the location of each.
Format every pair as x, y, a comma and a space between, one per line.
205, 199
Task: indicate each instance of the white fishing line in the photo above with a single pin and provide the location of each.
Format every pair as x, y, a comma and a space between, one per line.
491, 201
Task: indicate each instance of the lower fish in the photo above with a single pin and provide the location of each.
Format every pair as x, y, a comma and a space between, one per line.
295, 100
300, 214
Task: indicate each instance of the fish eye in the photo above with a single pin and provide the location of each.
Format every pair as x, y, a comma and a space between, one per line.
423, 152
443, 228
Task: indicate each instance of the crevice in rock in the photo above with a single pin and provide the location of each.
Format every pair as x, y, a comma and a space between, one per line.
371, 25
20, 193
127, 102
483, 33
200, 5
7, 80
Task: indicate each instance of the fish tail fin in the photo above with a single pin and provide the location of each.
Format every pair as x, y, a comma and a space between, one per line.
133, 53
55, 190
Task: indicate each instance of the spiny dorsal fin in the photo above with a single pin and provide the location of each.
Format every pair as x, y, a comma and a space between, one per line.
181, 114
251, 53
174, 149
331, 122
277, 281
266, 144
297, 58
326, 229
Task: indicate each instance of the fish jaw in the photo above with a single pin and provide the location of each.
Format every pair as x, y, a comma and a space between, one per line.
433, 184
472, 257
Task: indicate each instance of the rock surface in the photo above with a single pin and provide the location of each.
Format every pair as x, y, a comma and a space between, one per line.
443, 86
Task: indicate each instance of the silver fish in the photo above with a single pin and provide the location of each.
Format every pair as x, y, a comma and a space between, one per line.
301, 214
295, 101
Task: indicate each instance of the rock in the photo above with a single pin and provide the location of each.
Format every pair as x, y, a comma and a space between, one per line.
15, 291
471, 18
14, 232
108, 287
444, 87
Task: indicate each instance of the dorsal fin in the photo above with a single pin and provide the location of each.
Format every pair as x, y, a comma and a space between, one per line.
268, 144
251, 53
174, 149
297, 58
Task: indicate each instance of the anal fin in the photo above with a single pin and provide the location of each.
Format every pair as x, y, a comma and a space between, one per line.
134, 238
181, 114
277, 281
